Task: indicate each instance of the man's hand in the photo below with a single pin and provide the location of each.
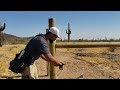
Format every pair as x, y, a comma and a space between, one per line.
61, 66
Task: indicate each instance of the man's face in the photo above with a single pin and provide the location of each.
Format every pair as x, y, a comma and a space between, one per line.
53, 37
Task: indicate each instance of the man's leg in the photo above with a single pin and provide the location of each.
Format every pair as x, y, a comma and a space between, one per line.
30, 72
35, 71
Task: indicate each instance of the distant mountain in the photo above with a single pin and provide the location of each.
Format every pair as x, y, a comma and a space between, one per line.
12, 39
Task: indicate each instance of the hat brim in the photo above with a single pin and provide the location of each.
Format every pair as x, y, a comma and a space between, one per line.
59, 37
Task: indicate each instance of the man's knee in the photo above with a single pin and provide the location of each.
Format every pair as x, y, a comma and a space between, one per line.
28, 77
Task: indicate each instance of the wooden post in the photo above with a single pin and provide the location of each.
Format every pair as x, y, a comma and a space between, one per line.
87, 45
47, 63
52, 50
0, 38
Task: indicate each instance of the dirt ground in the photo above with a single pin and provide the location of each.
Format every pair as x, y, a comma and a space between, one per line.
76, 66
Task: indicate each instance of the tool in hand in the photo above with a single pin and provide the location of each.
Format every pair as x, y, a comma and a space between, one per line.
61, 66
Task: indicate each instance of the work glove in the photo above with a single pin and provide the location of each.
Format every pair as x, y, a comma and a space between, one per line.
61, 66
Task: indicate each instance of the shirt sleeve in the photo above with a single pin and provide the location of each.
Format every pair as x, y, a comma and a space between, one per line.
44, 49
41, 46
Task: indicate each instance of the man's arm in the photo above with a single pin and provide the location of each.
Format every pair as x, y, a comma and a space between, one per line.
43, 57
51, 59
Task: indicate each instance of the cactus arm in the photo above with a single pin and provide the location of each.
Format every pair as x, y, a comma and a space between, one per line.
3, 27
66, 32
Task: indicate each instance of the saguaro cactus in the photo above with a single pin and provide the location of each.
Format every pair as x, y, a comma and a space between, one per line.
68, 32
1, 29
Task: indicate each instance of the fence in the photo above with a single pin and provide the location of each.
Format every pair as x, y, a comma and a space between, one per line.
54, 45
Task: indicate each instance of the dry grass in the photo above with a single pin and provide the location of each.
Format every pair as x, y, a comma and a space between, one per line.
7, 53
98, 60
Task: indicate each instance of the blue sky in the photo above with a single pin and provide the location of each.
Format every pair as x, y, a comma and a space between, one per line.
84, 24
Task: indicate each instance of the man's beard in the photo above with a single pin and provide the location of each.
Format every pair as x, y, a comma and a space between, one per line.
51, 41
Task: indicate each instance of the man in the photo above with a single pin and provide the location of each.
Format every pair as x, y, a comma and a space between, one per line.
38, 47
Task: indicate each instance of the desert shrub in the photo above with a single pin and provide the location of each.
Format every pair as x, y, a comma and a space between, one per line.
111, 49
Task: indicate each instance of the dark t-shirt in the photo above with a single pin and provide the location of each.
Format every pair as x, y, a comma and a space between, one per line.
37, 46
